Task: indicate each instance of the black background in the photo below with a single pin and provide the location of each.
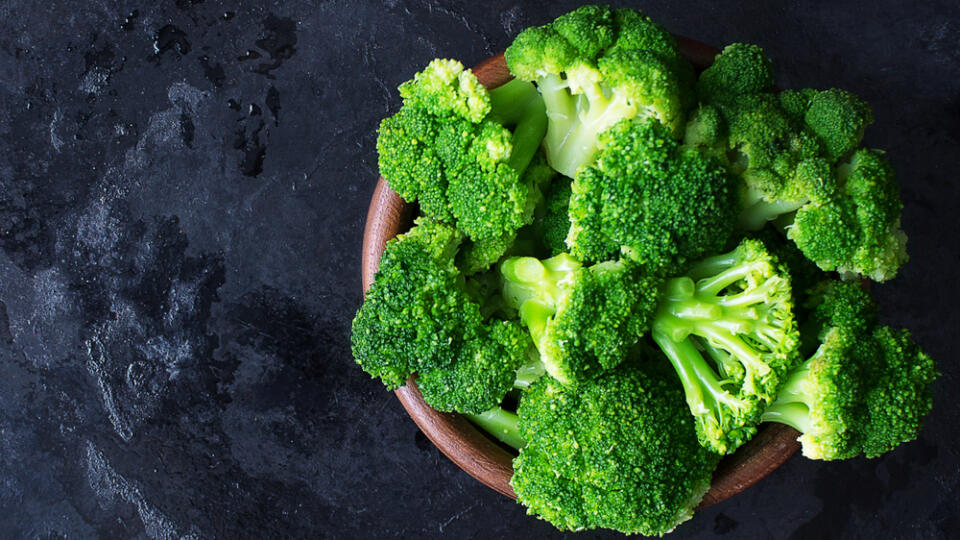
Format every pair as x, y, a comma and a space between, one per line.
183, 188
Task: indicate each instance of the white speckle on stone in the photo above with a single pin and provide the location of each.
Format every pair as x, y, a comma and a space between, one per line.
55, 139
110, 486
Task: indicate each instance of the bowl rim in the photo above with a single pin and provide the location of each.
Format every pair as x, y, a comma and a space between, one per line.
465, 444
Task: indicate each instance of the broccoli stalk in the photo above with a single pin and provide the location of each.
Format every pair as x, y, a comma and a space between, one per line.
516, 106
501, 424
729, 331
864, 391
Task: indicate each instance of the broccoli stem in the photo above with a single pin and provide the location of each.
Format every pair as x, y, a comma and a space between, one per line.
755, 216
793, 402
529, 372
517, 104
501, 424
702, 387
793, 414
576, 121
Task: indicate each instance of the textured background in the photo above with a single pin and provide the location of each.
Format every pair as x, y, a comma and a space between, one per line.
182, 193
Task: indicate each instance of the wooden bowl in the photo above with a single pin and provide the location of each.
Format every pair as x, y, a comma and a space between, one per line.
470, 448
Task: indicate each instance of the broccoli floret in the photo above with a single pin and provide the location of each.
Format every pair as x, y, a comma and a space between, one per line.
839, 118
582, 319
461, 150
658, 203
419, 316
705, 128
554, 225
741, 68
594, 67
796, 102
857, 231
479, 255
864, 391
618, 452
729, 330
844, 216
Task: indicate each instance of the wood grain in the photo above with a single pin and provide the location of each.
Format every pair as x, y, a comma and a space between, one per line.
467, 446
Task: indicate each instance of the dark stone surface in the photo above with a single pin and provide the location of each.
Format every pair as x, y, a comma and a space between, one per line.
182, 194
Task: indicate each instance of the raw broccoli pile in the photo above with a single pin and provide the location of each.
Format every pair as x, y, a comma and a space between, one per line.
622, 268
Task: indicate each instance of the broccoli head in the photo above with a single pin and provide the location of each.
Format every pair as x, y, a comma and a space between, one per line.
865, 390
596, 66
729, 330
858, 230
553, 224
658, 203
838, 118
478, 255
617, 452
418, 317
582, 319
741, 68
789, 150
460, 150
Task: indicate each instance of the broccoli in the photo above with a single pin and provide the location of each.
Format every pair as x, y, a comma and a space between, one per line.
451, 148
797, 155
729, 330
658, 203
858, 231
864, 391
741, 68
617, 452
582, 319
594, 67
553, 225
501, 423
419, 316
478, 255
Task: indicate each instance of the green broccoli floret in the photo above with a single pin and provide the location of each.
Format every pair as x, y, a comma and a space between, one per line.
728, 328
594, 67
479, 255
554, 224
796, 102
844, 216
839, 118
864, 391
582, 319
658, 203
461, 150
419, 317
858, 230
617, 452
741, 68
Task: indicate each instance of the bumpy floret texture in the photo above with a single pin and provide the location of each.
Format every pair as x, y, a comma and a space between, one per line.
797, 155
858, 231
658, 203
583, 320
450, 149
418, 317
864, 391
618, 452
596, 66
